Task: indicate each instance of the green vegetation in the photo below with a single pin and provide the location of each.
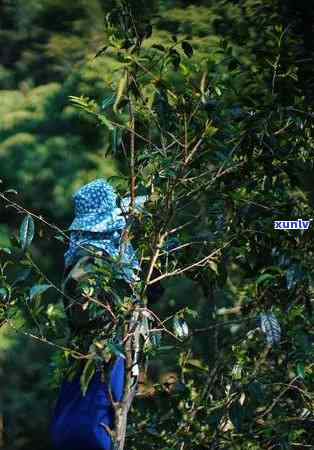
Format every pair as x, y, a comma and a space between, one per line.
208, 108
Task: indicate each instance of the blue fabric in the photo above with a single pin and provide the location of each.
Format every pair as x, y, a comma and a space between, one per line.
96, 208
111, 244
100, 223
77, 420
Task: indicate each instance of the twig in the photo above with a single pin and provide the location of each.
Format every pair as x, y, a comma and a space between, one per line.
202, 262
282, 393
43, 340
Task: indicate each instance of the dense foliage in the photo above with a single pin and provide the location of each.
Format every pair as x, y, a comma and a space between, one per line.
206, 107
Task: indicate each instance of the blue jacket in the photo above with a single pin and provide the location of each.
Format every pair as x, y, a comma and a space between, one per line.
77, 421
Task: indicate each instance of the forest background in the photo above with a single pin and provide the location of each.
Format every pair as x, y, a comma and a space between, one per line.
260, 57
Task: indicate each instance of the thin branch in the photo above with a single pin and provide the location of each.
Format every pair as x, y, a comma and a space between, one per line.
201, 263
43, 340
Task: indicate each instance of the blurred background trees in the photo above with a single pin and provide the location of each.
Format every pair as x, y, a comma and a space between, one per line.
259, 59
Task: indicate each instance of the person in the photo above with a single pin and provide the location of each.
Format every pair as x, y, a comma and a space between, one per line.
97, 254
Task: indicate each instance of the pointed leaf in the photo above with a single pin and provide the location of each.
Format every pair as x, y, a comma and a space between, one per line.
198, 364
27, 230
181, 328
107, 101
271, 328
155, 339
121, 91
300, 370
6, 250
38, 289
87, 375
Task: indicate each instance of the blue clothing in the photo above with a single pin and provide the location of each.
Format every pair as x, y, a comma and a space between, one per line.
112, 245
100, 223
78, 419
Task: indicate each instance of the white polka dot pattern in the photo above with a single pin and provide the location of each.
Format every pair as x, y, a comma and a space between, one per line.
99, 223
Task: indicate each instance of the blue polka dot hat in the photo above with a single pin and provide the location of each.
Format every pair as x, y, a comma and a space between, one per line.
96, 210
99, 222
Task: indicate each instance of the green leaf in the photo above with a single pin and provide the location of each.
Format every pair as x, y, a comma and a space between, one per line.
121, 91
184, 69
6, 250
218, 91
180, 327
213, 266
27, 230
107, 102
187, 48
60, 238
104, 121
197, 363
87, 375
300, 370
3, 293
265, 277
236, 372
38, 289
85, 104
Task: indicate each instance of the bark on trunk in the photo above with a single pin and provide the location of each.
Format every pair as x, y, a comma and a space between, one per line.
1, 431
131, 347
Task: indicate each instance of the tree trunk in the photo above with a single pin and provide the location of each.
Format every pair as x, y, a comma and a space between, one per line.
131, 347
1, 431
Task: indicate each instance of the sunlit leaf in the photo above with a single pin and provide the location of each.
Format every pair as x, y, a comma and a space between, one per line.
27, 230
87, 375
181, 328
271, 328
3, 293
6, 250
